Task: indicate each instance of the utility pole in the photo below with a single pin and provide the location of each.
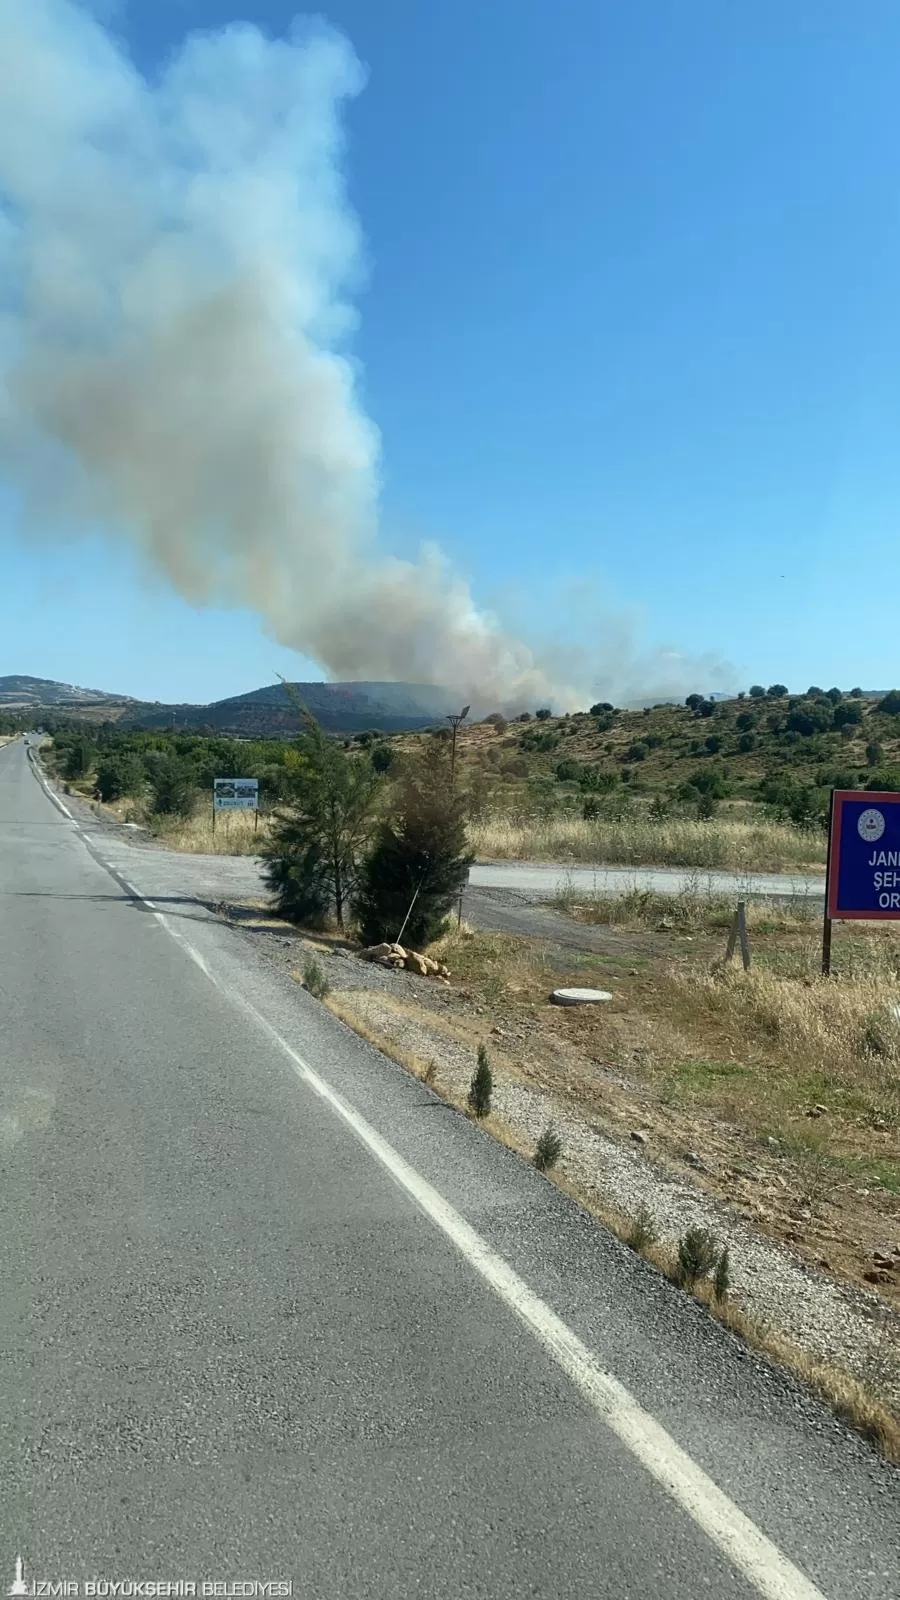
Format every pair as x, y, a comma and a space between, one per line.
454, 720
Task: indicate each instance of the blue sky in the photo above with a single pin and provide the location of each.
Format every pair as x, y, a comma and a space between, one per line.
630, 329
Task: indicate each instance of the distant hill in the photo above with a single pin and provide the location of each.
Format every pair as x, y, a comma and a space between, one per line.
339, 707
16, 691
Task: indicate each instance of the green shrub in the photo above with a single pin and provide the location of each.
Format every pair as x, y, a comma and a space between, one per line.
643, 1231
539, 740
722, 1277
383, 757
118, 776
594, 780
315, 980
548, 1149
543, 714
697, 1256
482, 1086
568, 771
889, 704
847, 715
78, 760
173, 791
419, 861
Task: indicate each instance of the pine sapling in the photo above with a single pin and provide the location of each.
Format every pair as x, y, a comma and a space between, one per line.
722, 1278
697, 1255
548, 1150
642, 1233
482, 1085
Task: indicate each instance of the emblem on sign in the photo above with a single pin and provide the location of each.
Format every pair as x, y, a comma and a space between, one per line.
870, 825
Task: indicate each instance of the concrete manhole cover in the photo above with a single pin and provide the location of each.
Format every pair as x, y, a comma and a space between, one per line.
579, 997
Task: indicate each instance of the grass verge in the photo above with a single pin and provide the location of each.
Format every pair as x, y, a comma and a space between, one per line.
731, 845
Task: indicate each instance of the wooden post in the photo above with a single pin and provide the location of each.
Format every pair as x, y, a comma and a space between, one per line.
744, 936
739, 931
826, 944
826, 921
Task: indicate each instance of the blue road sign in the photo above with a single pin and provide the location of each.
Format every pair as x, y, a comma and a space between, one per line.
864, 856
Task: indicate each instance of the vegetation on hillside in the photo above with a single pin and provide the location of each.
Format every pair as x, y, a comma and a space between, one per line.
742, 783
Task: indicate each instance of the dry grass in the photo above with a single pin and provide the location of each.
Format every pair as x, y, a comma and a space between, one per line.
697, 907
772, 1044
637, 841
235, 833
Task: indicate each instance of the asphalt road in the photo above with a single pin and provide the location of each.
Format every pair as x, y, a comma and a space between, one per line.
271, 1312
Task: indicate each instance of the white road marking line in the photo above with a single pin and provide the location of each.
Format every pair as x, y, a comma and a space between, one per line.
47, 789
737, 1537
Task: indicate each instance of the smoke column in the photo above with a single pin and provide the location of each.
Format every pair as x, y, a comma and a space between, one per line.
176, 264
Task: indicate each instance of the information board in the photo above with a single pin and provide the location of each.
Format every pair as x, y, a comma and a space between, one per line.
235, 794
864, 856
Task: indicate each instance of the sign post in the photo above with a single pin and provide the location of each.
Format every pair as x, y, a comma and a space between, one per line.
235, 794
863, 876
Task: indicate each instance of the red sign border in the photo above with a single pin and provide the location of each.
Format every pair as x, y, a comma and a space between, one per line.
838, 799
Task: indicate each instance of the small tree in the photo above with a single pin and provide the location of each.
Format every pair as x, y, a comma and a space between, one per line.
722, 1277
312, 857
889, 704
874, 753
482, 1086
776, 691
79, 759
118, 776
543, 714
172, 788
757, 692
697, 1255
419, 863
548, 1149
847, 714
383, 757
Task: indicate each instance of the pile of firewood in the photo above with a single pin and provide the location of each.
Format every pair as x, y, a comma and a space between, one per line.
394, 955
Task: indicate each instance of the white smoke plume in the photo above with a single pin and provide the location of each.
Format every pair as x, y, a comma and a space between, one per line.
176, 262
